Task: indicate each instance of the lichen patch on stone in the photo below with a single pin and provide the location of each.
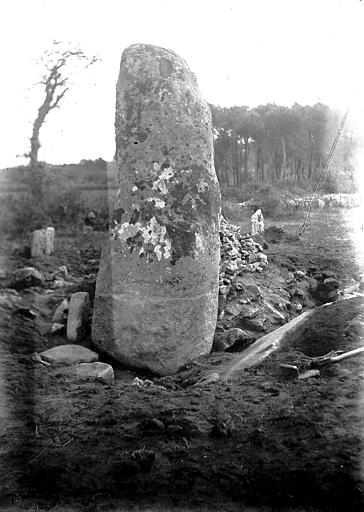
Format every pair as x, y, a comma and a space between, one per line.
124, 231
189, 197
159, 203
160, 184
155, 235
202, 186
199, 243
150, 239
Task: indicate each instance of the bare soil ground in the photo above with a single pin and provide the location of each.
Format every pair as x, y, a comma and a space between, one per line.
257, 442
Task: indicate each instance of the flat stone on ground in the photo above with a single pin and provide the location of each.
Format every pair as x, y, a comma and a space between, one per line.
69, 354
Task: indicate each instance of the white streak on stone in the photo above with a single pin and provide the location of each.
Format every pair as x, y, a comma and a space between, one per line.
157, 250
167, 249
158, 202
199, 242
127, 230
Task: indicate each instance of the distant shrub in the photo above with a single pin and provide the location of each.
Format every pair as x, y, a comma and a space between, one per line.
98, 201
329, 186
20, 213
64, 207
270, 204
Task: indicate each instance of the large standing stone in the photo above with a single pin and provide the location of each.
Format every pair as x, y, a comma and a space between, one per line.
157, 287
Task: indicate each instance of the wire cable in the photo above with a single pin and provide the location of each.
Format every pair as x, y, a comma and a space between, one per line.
333, 146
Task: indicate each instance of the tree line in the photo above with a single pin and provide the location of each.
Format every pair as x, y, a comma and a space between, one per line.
272, 142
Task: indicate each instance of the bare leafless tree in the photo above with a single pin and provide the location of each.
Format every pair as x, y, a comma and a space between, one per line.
59, 64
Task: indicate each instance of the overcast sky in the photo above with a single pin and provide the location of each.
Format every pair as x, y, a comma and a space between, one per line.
243, 53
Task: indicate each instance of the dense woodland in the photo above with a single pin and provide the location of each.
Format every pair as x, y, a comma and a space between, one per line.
272, 142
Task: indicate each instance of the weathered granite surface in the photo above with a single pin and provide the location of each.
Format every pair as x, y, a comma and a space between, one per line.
157, 287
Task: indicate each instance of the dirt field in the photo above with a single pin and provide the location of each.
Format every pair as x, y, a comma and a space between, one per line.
255, 442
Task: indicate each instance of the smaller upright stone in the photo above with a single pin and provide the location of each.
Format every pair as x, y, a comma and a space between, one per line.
63, 272
42, 242
61, 311
257, 222
77, 316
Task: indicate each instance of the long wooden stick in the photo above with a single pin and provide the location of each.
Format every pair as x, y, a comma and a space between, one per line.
352, 353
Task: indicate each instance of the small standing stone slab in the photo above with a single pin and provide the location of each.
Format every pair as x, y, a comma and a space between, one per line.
157, 288
77, 316
60, 311
257, 222
69, 354
42, 242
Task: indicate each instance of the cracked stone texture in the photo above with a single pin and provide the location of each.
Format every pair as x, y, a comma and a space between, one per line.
157, 287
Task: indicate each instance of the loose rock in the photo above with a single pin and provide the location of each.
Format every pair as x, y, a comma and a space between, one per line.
97, 371
257, 323
25, 278
328, 290
308, 374
56, 327
63, 271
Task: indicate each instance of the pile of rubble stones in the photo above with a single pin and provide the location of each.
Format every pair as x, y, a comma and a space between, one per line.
255, 299
238, 254
241, 257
